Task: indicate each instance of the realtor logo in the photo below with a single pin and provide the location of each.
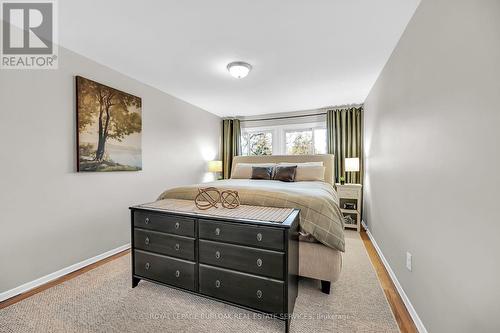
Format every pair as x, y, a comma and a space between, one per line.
28, 35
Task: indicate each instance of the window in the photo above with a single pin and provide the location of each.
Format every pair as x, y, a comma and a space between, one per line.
296, 139
257, 143
299, 142
319, 138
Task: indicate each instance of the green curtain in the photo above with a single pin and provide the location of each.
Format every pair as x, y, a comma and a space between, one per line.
345, 139
231, 145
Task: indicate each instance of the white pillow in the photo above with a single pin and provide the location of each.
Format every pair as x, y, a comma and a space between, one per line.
308, 171
313, 172
244, 170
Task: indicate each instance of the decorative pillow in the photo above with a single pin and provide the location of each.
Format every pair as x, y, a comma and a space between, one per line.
310, 173
285, 173
244, 170
262, 172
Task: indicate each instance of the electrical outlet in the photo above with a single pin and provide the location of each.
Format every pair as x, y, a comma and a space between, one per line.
408, 260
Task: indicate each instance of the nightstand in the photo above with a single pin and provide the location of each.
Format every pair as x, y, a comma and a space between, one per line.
350, 204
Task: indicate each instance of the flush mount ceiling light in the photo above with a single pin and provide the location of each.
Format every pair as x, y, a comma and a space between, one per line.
239, 69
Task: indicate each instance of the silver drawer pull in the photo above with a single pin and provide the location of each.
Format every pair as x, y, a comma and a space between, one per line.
177, 225
177, 273
259, 262
259, 294
259, 237
146, 241
217, 254
217, 284
217, 231
177, 247
147, 265
146, 220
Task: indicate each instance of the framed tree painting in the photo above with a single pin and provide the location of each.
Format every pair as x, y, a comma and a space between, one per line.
109, 125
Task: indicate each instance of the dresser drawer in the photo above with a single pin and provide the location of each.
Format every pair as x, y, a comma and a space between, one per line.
242, 234
165, 223
348, 193
171, 245
164, 269
242, 258
244, 289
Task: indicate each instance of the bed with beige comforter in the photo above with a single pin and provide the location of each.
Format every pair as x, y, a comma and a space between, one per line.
320, 215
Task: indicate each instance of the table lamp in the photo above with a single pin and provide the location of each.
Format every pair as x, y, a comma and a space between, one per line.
352, 164
215, 167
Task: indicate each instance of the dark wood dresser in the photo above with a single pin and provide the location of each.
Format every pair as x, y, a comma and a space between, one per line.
248, 263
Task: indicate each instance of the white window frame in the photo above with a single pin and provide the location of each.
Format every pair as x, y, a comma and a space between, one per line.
279, 133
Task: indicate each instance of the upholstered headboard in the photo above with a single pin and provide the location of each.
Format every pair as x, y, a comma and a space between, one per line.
327, 160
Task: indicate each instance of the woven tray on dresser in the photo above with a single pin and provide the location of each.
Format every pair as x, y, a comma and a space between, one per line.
247, 257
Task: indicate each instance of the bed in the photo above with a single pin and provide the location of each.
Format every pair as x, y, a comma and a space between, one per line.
320, 252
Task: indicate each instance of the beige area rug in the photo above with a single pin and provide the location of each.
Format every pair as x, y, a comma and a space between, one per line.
102, 300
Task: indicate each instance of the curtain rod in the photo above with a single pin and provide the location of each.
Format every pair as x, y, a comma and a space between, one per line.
286, 117
304, 115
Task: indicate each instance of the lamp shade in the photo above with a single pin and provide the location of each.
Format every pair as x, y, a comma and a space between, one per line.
352, 164
214, 166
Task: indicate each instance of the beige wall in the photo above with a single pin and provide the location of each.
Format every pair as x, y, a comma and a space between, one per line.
432, 145
52, 217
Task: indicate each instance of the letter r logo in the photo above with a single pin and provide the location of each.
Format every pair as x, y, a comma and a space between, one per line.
27, 28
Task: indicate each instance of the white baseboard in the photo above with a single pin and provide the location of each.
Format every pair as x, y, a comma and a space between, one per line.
411, 310
52, 276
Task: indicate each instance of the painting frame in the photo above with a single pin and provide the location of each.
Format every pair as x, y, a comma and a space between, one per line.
108, 128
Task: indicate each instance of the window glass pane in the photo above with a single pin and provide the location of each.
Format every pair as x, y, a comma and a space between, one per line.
320, 140
257, 143
244, 143
299, 142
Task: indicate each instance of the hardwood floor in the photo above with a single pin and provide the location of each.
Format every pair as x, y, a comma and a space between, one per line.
57, 281
403, 318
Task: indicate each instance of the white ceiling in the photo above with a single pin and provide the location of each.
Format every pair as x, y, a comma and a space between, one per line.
305, 54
